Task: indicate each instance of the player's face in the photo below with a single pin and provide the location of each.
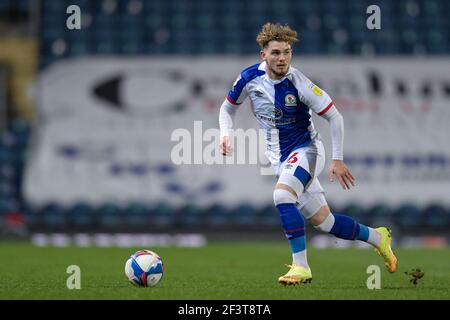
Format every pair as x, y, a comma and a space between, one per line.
278, 56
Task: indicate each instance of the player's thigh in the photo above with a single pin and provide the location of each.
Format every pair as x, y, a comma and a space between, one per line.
302, 167
315, 157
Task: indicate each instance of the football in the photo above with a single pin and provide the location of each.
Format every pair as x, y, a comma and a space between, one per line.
144, 268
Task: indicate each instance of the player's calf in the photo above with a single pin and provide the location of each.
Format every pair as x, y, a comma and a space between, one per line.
293, 223
344, 227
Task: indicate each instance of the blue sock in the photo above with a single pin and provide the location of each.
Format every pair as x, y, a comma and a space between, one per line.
297, 244
293, 225
345, 227
363, 234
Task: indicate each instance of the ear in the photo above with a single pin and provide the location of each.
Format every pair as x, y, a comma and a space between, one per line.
262, 55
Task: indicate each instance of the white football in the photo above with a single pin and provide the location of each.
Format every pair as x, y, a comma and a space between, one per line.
144, 268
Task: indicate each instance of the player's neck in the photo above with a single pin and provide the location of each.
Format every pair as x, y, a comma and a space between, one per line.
274, 76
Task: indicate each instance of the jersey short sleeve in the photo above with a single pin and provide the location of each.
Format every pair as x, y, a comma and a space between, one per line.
311, 95
238, 92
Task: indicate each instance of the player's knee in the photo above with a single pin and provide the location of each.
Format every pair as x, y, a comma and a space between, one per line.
323, 220
292, 183
318, 218
313, 207
283, 196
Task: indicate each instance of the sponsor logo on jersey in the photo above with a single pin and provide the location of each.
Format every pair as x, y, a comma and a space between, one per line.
317, 91
271, 120
258, 93
277, 113
290, 100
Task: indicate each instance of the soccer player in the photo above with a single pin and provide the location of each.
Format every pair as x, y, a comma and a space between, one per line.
282, 100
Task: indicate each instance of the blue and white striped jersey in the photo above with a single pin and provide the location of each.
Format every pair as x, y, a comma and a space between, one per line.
281, 107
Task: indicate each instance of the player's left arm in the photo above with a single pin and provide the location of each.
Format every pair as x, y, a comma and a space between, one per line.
338, 168
320, 102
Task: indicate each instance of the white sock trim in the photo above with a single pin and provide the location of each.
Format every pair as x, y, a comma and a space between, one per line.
374, 237
300, 258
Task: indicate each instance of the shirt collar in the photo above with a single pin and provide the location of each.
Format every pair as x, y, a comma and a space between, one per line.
288, 75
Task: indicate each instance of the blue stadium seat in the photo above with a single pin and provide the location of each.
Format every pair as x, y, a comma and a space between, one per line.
436, 216
53, 215
79, 49
244, 215
217, 216
31, 212
162, 215
7, 188
81, 215
108, 215
356, 211
408, 216
7, 172
244, 18
137, 214
6, 205
189, 215
6, 155
268, 216
380, 215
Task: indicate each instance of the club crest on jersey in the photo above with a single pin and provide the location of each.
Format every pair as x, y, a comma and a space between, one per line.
290, 100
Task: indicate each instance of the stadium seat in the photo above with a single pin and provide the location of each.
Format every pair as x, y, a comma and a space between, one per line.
244, 215
268, 216
31, 212
52, 215
357, 212
379, 215
217, 216
241, 21
161, 215
137, 214
108, 215
6, 205
6, 155
81, 215
436, 216
7, 172
189, 215
7, 188
408, 216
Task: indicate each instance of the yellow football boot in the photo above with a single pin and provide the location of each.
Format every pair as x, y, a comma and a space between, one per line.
297, 274
384, 249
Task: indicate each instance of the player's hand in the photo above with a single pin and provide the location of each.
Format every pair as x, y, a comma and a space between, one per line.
225, 146
339, 170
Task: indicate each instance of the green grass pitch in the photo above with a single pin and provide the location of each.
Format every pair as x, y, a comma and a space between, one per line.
218, 271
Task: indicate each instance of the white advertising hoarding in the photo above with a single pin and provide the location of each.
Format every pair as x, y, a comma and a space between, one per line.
108, 128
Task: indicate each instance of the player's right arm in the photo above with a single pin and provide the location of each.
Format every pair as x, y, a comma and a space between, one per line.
226, 115
235, 97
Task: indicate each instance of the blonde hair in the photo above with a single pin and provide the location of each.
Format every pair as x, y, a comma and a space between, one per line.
275, 32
